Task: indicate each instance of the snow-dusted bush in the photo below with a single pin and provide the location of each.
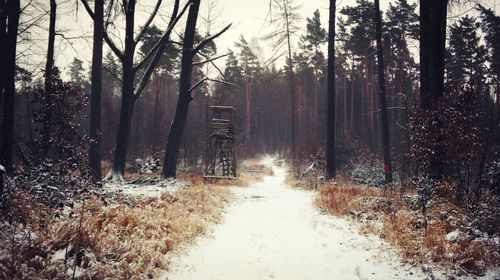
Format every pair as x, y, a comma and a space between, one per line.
426, 190
55, 170
60, 108
370, 172
491, 177
50, 187
147, 165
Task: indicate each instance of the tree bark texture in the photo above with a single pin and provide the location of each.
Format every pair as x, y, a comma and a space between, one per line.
181, 112
127, 101
8, 81
291, 84
95, 93
49, 64
382, 99
330, 130
432, 61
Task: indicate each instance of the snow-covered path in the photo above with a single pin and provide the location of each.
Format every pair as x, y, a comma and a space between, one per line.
274, 232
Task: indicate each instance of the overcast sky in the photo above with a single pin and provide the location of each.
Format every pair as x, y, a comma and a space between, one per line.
247, 16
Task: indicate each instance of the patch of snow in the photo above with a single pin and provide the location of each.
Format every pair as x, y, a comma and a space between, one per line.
148, 188
273, 231
453, 236
78, 272
268, 160
310, 168
60, 255
114, 177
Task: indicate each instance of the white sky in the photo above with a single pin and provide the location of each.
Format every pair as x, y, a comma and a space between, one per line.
247, 17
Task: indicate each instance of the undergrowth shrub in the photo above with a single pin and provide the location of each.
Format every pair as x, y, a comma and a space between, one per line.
60, 109
455, 131
336, 198
404, 225
98, 240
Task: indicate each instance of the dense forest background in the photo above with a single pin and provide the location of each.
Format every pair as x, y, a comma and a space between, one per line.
280, 109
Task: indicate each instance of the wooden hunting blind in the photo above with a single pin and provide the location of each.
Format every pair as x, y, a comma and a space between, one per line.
220, 159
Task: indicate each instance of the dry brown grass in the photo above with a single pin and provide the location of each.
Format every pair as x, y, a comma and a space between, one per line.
404, 228
116, 241
335, 198
251, 172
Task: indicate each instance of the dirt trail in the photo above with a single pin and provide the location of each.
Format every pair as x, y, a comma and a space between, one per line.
274, 232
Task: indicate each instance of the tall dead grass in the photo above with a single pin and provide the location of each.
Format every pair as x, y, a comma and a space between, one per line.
252, 172
404, 227
335, 198
114, 241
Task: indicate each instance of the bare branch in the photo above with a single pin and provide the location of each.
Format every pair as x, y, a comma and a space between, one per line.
148, 22
108, 40
112, 73
197, 84
209, 60
222, 82
162, 43
214, 65
210, 39
176, 43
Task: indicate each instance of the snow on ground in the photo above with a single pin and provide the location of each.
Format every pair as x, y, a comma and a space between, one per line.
145, 188
275, 232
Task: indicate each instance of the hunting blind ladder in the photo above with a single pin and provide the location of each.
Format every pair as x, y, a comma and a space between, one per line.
220, 159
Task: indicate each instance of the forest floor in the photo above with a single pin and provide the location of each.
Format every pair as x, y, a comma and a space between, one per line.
257, 227
124, 230
273, 231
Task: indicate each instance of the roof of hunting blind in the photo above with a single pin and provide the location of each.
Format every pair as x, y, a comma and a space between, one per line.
224, 109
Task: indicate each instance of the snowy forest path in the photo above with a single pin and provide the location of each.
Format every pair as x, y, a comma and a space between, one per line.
273, 231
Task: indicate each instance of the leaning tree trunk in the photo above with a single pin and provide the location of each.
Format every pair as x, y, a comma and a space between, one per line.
181, 112
9, 89
95, 94
49, 67
3, 34
432, 55
291, 84
382, 100
127, 102
330, 129
49, 64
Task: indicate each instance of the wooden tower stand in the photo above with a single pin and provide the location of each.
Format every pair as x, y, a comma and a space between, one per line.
220, 159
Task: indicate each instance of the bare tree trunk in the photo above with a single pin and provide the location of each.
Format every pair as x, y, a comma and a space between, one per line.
155, 115
49, 64
181, 112
248, 100
3, 34
120, 156
300, 124
364, 91
383, 106
95, 93
291, 81
9, 89
316, 111
352, 97
432, 55
345, 102
371, 110
330, 130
